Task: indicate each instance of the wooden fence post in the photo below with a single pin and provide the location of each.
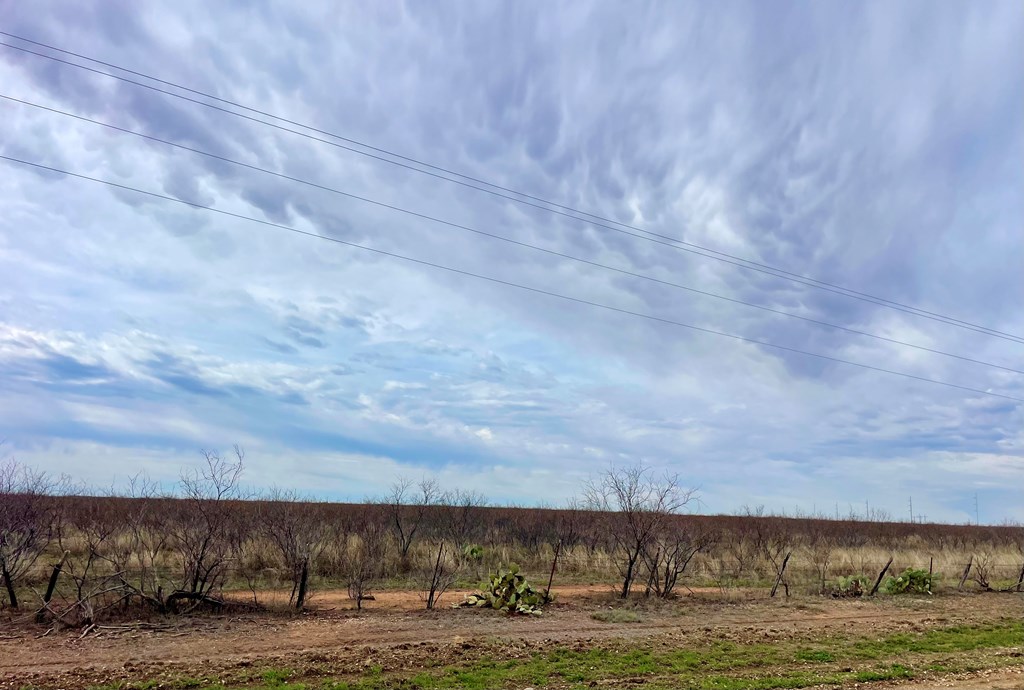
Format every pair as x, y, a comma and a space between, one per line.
878, 582
782, 570
301, 599
967, 571
551, 578
51, 585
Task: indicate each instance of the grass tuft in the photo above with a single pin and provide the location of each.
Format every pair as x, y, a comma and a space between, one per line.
617, 616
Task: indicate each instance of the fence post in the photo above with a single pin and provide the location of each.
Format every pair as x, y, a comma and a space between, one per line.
301, 599
967, 571
878, 582
51, 585
551, 578
782, 570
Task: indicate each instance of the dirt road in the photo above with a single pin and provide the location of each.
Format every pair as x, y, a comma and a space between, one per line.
395, 634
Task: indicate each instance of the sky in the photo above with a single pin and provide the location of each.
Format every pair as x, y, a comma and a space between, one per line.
877, 146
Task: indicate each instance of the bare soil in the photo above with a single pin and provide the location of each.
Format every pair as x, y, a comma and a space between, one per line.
395, 633
1003, 679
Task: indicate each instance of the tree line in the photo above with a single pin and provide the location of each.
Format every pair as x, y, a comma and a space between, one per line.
204, 544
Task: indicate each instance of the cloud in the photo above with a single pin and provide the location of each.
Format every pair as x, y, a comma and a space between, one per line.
867, 146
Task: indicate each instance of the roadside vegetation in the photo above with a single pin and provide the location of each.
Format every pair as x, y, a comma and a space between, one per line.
68, 559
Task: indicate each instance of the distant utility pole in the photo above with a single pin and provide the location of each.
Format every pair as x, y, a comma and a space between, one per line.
911, 509
977, 519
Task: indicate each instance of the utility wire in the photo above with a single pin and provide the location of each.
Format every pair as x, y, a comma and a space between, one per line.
508, 239
499, 281
491, 188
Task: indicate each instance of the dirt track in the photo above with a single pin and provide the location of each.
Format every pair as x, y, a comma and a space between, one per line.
1012, 679
396, 634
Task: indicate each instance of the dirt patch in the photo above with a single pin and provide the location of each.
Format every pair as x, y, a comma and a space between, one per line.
395, 634
1005, 679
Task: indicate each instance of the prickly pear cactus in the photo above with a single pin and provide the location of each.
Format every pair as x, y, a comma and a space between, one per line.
508, 591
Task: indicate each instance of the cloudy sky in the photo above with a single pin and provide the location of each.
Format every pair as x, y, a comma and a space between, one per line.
877, 146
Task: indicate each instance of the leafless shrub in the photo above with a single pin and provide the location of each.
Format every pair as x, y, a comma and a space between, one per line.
563, 535
820, 544
298, 535
90, 532
456, 523
366, 556
643, 505
27, 513
670, 553
440, 573
139, 557
202, 532
982, 572
408, 508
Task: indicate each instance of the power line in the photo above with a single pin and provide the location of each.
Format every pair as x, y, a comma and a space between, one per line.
491, 188
507, 283
508, 239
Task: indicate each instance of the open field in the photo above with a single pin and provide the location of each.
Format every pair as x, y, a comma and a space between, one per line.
201, 589
702, 640
86, 559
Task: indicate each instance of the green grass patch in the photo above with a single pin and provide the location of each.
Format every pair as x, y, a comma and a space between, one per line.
816, 655
721, 665
276, 677
957, 639
711, 665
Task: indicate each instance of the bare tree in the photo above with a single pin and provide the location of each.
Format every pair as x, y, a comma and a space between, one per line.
775, 541
298, 534
90, 531
460, 514
563, 535
138, 555
821, 544
441, 573
27, 510
458, 522
408, 505
202, 531
668, 556
642, 505
365, 557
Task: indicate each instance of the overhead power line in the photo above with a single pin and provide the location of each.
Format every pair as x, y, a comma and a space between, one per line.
509, 240
518, 286
501, 191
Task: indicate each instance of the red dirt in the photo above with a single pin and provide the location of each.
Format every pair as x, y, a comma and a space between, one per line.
394, 632
1005, 679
